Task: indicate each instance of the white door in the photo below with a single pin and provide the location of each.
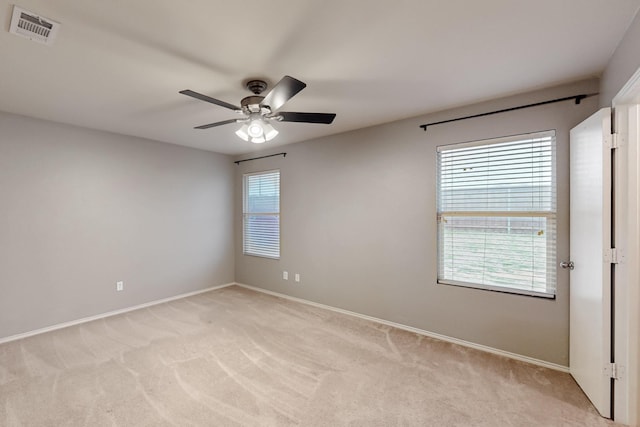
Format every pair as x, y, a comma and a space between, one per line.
590, 239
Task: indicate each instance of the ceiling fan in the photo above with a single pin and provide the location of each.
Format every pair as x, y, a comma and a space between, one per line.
259, 110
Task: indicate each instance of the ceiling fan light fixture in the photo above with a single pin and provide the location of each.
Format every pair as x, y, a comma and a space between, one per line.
269, 131
242, 132
257, 131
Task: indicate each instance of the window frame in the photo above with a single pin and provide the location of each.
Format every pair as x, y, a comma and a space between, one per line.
246, 214
551, 214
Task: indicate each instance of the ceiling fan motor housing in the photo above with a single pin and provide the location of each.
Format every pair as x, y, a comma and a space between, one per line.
251, 104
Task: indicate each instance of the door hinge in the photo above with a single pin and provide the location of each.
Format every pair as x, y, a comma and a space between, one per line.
613, 370
612, 256
612, 141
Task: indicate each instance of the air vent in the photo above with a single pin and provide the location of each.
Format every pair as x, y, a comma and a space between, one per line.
32, 26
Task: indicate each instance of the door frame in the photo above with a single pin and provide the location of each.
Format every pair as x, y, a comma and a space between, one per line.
626, 105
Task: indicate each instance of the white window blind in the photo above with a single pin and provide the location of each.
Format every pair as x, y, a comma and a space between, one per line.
497, 214
261, 214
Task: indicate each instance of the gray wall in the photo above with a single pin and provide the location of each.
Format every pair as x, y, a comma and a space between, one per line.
358, 223
81, 209
624, 62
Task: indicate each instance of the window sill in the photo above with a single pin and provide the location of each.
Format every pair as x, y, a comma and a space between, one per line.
500, 289
261, 256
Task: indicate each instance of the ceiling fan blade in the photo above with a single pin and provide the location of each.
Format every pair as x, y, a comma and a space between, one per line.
324, 118
206, 98
283, 91
211, 125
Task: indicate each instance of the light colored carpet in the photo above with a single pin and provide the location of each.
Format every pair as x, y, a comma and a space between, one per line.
234, 357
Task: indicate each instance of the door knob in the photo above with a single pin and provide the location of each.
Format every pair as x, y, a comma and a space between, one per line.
567, 264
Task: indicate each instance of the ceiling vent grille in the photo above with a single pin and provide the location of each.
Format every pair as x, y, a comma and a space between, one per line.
30, 25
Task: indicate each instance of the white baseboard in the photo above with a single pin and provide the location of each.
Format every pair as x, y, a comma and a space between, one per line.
452, 340
108, 314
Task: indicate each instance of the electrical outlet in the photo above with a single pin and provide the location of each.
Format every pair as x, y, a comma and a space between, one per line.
285, 275
119, 286
297, 277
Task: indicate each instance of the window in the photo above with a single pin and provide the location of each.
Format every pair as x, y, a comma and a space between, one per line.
497, 214
261, 214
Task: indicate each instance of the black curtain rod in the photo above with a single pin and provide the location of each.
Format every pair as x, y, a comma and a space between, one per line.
577, 99
237, 162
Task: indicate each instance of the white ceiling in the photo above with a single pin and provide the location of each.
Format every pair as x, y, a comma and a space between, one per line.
118, 65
